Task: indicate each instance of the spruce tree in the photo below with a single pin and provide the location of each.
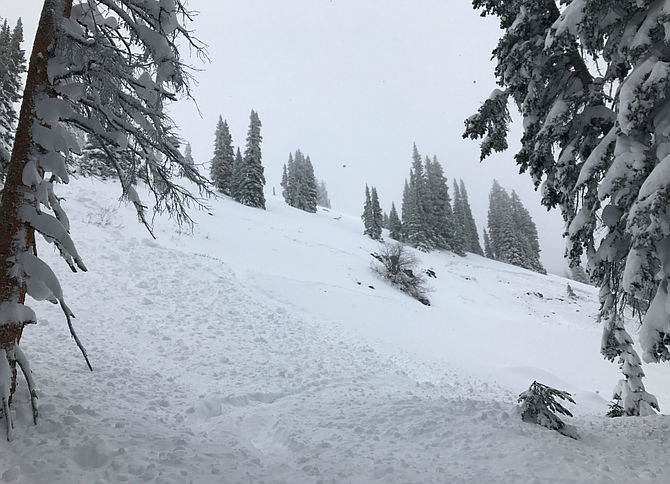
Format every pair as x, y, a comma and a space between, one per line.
377, 217
487, 246
12, 65
251, 176
527, 231
237, 175
395, 225
309, 187
440, 214
460, 241
471, 233
367, 214
322, 199
221, 168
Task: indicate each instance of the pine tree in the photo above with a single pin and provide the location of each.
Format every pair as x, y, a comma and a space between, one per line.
440, 216
487, 246
367, 213
251, 178
527, 231
322, 199
470, 228
299, 186
12, 65
95, 162
415, 229
377, 217
123, 105
460, 241
395, 225
237, 175
221, 166
385, 220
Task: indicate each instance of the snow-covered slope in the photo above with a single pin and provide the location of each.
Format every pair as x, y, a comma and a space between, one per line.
260, 348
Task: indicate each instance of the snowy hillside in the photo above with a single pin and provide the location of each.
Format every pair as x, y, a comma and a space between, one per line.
261, 349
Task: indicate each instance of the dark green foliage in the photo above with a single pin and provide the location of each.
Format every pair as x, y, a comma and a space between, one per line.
372, 214
487, 246
299, 187
12, 65
512, 233
248, 176
221, 167
539, 406
470, 229
395, 225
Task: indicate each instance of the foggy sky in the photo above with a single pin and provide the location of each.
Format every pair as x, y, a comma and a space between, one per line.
353, 84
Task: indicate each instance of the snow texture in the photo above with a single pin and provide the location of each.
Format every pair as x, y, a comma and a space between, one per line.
274, 355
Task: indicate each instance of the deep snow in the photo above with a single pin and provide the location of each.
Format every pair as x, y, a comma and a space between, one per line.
260, 348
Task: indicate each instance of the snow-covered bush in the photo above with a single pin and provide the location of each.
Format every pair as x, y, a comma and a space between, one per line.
396, 264
539, 406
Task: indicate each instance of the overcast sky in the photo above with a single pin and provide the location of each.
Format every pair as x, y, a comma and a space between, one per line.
352, 83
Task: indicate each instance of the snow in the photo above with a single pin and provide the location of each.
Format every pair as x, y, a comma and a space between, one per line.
260, 348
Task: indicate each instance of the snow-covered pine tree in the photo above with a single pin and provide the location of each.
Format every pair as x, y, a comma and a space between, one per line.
95, 162
413, 207
322, 199
237, 174
377, 217
188, 155
487, 246
460, 244
309, 186
251, 178
12, 65
221, 166
121, 101
441, 217
595, 139
385, 220
395, 225
366, 216
471, 232
527, 235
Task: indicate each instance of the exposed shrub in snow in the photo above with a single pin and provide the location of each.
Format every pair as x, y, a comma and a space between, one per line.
539, 406
396, 264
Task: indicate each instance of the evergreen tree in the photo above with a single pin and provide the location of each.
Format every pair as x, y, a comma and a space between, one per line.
415, 229
385, 220
487, 246
460, 242
367, 213
95, 162
12, 65
527, 233
377, 217
251, 176
299, 186
601, 158
322, 199
237, 175
440, 215
395, 225
221, 167
470, 228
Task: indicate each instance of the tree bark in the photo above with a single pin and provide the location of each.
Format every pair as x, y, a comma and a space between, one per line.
15, 236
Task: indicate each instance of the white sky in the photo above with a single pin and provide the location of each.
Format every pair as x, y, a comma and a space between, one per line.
352, 83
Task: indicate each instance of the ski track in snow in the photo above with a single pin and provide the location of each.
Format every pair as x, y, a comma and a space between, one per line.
201, 378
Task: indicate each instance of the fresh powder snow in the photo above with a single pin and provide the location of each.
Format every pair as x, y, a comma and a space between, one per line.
260, 348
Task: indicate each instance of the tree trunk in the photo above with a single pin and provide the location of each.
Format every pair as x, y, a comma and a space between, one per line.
15, 236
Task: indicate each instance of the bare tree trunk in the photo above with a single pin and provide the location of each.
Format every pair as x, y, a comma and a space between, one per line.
15, 236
